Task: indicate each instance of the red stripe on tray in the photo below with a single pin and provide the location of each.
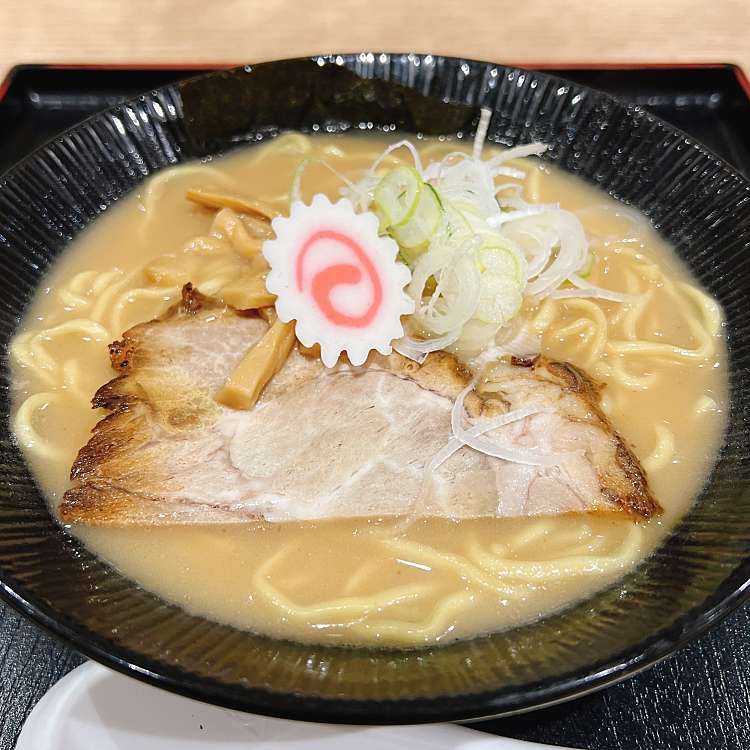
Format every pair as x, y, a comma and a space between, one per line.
742, 80
5, 84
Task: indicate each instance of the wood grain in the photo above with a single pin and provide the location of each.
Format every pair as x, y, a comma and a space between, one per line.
517, 31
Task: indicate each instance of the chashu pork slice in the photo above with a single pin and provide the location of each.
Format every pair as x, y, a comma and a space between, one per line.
341, 443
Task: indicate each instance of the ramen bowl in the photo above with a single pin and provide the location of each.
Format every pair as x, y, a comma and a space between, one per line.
698, 575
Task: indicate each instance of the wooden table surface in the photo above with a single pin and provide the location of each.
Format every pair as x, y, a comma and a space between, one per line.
515, 31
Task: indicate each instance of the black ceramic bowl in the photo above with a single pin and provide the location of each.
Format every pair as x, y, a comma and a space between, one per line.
698, 575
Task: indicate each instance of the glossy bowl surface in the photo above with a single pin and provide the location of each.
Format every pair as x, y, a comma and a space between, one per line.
699, 574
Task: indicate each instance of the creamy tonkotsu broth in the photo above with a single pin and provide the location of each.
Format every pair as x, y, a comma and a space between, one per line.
378, 581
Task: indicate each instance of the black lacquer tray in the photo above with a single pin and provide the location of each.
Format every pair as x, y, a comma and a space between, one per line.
696, 699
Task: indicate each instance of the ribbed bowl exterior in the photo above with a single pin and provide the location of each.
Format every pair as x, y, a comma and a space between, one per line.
699, 574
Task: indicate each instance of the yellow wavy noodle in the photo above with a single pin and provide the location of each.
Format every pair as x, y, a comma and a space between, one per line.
626, 227
569, 565
533, 185
709, 310
295, 147
360, 576
157, 186
632, 315
162, 184
26, 431
532, 534
439, 625
128, 308
544, 316
106, 297
642, 261
499, 571
21, 355
688, 300
167, 270
594, 322
176, 270
663, 451
228, 225
78, 382
358, 614
206, 245
582, 326
83, 287
289, 144
618, 371
346, 609
705, 350
434, 558
704, 405
29, 350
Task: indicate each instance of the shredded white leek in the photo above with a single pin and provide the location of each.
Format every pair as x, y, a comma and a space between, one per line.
456, 208
418, 349
295, 192
472, 437
591, 293
519, 152
393, 147
522, 213
481, 135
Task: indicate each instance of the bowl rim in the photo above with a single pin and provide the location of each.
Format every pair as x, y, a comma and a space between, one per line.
731, 594
629, 663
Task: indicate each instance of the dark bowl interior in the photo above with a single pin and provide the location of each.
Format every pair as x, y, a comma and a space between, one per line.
699, 574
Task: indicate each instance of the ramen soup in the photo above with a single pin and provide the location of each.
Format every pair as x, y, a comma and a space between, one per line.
556, 309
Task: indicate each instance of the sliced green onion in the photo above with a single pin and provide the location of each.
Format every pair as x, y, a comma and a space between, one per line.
397, 195
499, 260
500, 298
423, 223
457, 225
588, 266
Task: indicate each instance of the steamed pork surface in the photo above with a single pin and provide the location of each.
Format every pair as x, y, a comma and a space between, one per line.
322, 444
